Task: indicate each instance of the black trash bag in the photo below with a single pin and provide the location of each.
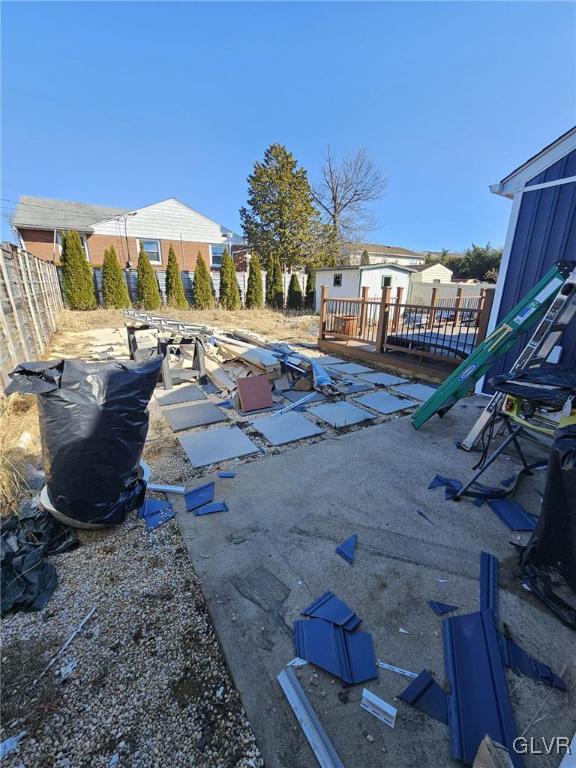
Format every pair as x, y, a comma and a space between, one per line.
548, 562
28, 580
93, 424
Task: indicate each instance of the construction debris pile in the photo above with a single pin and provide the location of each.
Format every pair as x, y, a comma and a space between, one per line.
477, 704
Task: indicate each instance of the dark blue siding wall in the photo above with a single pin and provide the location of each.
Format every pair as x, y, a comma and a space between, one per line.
545, 233
562, 169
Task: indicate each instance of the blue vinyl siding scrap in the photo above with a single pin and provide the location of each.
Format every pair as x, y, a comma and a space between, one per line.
562, 169
545, 234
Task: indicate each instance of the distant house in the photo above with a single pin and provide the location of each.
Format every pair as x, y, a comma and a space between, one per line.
380, 254
40, 222
432, 273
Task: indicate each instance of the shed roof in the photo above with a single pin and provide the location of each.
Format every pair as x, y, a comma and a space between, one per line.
359, 267
546, 157
384, 250
46, 213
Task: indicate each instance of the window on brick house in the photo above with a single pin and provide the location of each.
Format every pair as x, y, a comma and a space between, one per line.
60, 233
216, 254
152, 249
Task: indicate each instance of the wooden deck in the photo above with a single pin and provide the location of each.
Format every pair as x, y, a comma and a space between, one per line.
430, 370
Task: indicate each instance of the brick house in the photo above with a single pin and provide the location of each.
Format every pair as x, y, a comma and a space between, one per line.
40, 222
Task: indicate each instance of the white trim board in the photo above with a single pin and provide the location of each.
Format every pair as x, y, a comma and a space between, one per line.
543, 160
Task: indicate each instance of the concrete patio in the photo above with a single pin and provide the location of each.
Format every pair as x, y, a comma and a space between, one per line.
267, 558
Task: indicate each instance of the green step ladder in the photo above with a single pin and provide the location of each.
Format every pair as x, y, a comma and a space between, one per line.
524, 315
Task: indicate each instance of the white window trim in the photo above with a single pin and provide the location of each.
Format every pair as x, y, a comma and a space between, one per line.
216, 245
154, 240
83, 237
334, 276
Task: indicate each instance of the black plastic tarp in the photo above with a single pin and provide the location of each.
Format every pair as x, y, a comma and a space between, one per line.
548, 562
27, 578
93, 424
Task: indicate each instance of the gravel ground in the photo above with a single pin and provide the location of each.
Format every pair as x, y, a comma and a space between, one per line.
150, 684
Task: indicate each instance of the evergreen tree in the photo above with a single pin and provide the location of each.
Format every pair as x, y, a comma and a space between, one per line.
148, 290
114, 288
254, 289
203, 289
280, 216
276, 286
229, 292
76, 273
310, 295
270, 278
364, 258
175, 296
294, 293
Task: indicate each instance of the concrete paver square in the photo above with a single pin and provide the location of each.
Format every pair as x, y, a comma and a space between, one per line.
382, 379
294, 396
350, 368
341, 414
286, 428
419, 391
185, 393
328, 360
193, 416
214, 445
385, 403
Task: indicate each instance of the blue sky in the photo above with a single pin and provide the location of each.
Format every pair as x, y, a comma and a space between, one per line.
129, 103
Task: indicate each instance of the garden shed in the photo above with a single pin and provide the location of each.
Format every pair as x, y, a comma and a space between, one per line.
348, 282
541, 232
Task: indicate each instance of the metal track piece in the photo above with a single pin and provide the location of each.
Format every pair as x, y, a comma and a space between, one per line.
379, 708
317, 737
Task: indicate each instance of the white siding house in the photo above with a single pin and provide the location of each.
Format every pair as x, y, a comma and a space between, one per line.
432, 273
348, 282
169, 220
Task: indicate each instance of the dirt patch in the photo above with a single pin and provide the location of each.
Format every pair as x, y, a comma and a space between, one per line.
24, 702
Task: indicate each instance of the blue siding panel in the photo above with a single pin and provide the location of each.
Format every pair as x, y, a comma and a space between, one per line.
545, 234
562, 169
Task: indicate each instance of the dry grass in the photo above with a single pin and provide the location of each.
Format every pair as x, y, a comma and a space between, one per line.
19, 445
274, 325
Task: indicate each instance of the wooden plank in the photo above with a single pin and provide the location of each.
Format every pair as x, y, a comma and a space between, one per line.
31, 312
41, 266
34, 289
323, 299
383, 318
7, 283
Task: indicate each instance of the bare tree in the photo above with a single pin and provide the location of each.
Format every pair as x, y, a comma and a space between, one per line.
343, 194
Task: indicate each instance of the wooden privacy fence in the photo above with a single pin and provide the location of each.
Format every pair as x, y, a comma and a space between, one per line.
30, 301
446, 329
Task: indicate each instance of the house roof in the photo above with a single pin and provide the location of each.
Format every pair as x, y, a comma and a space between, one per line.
46, 213
358, 267
536, 164
384, 250
424, 267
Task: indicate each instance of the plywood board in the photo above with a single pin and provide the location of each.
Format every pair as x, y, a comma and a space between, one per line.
254, 393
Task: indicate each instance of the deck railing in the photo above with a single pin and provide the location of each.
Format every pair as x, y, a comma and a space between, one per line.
446, 329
